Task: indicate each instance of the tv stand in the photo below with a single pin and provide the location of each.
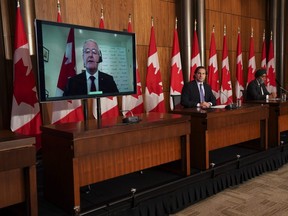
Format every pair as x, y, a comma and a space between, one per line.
85, 110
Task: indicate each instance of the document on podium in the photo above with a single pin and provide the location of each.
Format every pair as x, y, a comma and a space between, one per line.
222, 106
274, 99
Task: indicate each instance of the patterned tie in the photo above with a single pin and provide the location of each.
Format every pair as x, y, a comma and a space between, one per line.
93, 86
202, 99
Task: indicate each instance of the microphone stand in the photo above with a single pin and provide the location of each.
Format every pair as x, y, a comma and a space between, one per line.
284, 90
231, 105
130, 119
280, 86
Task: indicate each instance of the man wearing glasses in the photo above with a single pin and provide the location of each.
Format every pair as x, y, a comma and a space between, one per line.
91, 80
256, 89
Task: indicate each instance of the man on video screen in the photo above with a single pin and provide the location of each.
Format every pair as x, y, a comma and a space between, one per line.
92, 80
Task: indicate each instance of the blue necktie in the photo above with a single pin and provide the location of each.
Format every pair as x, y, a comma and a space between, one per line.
202, 99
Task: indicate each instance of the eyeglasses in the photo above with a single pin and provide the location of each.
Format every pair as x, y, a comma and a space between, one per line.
88, 51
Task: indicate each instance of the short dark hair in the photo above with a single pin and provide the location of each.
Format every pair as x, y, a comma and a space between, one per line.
198, 68
260, 72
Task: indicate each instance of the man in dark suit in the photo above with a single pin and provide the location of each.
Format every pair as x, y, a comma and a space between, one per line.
256, 89
197, 93
91, 80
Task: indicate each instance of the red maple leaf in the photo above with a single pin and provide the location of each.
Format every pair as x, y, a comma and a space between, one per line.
226, 83
213, 77
138, 91
24, 85
271, 75
176, 83
153, 80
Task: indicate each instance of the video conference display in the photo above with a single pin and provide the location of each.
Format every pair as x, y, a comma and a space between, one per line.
55, 42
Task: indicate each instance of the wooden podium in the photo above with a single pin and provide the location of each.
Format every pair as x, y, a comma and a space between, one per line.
278, 119
216, 128
18, 171
83, 153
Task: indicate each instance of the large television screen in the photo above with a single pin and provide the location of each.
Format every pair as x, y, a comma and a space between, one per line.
67, 55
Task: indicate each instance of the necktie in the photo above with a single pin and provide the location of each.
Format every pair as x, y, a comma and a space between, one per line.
93, 86
202, 99
261, 87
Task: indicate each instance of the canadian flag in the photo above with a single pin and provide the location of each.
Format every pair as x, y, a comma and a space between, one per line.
213, 75
226, 87
154, 97
263, 56
101, 23
58, 12
66, 111
109, 105
271, 73
251, 60
25, 116
239, 86
176, 83
195, 59
133, 104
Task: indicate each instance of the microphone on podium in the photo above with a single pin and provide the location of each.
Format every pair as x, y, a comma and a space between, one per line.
280, 86
231, 105
284, 90
130, 119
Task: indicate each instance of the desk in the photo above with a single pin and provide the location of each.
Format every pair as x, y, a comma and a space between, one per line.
278, 119
18, 171
213, 129
83, 153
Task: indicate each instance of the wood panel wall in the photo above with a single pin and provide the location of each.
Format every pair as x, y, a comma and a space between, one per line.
236, 14
232, 13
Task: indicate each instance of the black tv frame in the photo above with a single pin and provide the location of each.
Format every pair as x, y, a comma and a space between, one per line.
105, 39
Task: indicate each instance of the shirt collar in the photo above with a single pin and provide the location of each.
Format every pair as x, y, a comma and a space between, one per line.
88, 75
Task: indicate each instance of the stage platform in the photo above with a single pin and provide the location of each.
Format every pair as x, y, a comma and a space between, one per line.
158, 191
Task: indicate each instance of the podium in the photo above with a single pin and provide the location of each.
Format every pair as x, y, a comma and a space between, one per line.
83, 153
278, 119
18, 171
216, 128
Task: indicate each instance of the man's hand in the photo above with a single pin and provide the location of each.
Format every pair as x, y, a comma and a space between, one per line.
273, 95
205, 105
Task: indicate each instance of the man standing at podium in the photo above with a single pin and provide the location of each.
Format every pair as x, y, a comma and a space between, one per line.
256, 89
197, 93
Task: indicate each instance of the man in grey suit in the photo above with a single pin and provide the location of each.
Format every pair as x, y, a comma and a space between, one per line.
197, 93
91, 80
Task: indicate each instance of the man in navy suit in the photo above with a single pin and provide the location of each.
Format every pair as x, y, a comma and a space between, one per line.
256, 89
91, 80
197, 93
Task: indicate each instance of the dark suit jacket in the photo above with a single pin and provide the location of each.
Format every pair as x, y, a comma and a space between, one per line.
77, 85
190, 96
254, 91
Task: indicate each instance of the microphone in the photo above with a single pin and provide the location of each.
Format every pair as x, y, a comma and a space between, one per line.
231, 105
130, 119
278, 83
286, 91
